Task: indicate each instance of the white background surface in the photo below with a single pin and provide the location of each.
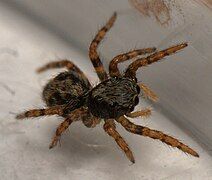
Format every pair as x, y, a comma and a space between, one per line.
183, 82
85, 153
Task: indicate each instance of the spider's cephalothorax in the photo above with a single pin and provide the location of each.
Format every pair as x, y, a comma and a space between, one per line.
113, 98
71, 95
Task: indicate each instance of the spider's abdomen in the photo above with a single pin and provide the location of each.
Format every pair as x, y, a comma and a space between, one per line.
64, 87
113, 98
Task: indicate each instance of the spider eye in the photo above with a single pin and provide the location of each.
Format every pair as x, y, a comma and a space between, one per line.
136, 100
138, 89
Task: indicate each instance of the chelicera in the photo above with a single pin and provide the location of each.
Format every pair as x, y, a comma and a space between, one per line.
71, 95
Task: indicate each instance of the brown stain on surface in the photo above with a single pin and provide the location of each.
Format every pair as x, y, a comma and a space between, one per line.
165, 11
207, 3
158, 8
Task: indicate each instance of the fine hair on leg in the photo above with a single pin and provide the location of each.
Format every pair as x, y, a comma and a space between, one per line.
94, 56
113, 67
73, 116
133, 67
59, 64
110, 129
154, 134
58, 110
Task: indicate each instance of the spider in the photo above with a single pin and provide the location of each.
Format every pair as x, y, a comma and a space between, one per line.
71, 95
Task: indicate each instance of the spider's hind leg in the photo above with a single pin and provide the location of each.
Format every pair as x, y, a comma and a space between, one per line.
41, 112
63, 64
73, 116
61, 128
60, 64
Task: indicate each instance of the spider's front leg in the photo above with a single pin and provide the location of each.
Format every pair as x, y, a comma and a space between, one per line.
113, 67
154, 134
94, 57
110, 129
41, 112
155, 57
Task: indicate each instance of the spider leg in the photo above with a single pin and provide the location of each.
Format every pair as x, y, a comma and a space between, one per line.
148, 92
142, 113
73, 116
133, 67
94, 57
113, 67
110, 129
90, 122
41, 112
62, 127
154, 134
60, 64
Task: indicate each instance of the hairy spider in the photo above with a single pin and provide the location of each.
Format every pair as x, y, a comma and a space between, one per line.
71, 95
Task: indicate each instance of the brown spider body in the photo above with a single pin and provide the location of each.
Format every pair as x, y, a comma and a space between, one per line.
71, 95
113, 98
65, 87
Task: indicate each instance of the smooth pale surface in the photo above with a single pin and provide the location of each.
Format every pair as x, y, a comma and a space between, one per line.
183, 82
85, 153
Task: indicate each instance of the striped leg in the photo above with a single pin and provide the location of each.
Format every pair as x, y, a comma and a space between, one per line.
94, 57
41, 112
63, 126
133, 67
59, 64
113, 67
154, 134
148, 92
110, 129
73, 116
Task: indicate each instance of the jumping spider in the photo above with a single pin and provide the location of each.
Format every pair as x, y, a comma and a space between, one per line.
71, 95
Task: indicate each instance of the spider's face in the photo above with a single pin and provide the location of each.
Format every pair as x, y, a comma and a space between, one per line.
113, 98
